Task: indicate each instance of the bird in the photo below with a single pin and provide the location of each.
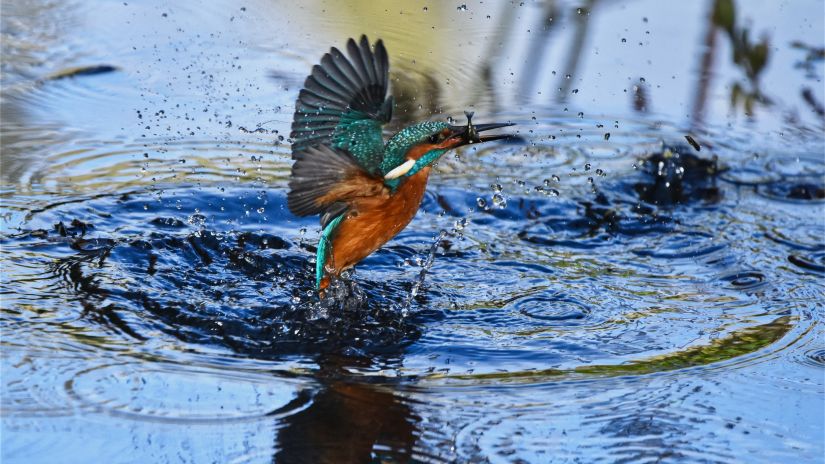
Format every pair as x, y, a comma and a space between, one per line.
365, 189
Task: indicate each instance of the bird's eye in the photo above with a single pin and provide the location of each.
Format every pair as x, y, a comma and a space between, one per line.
435, 138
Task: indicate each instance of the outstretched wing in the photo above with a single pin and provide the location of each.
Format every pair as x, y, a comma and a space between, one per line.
326, 181
344, 104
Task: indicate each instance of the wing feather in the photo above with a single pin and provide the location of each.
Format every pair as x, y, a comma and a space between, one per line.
326, 181
345, 102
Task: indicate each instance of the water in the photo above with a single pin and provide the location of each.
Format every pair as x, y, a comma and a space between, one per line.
599, 292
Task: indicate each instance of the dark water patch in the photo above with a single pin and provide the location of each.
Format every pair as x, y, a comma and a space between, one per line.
592, 223
813, 262
803, 242
815, 357
250, 291
678, 176
550, 221
794, 189
745, 280
553, 310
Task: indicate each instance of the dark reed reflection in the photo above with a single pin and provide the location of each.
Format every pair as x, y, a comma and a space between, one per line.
348, 420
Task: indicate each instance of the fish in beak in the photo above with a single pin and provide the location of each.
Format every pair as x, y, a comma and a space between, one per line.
469, 134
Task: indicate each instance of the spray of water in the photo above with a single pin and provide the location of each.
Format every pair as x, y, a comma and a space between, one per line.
428, 263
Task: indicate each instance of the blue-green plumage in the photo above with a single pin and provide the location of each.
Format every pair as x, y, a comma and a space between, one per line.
363, 139
401, 143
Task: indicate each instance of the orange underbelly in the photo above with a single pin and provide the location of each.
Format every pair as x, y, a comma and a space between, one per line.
374, 222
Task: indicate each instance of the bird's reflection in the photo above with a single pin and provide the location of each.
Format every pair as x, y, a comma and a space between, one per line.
348, 421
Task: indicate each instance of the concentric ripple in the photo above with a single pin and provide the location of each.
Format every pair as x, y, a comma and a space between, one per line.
136, 391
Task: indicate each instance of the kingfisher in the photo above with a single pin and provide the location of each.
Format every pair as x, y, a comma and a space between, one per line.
365, 190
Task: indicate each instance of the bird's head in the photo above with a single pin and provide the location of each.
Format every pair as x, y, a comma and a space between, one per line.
420, 145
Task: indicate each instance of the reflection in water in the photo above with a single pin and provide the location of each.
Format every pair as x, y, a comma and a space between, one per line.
348, 421
537, 50
707, 55
581, 21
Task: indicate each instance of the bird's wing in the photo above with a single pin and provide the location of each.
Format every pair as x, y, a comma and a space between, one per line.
344, 104
327, 181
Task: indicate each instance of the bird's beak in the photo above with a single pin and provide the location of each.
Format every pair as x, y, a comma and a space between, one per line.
465, 135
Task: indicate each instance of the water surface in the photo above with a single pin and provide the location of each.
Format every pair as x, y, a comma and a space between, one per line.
602, 291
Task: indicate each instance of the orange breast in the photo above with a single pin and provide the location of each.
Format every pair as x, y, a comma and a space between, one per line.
375, 221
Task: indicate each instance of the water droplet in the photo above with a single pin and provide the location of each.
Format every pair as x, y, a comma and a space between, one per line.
607, 136
496, 187
556, 178
587, 166
425, 9
581, 114
462, 7
624, 40
481, 202
459, 224
499, 201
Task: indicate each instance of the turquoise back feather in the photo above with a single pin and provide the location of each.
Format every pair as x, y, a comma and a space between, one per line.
362, 137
